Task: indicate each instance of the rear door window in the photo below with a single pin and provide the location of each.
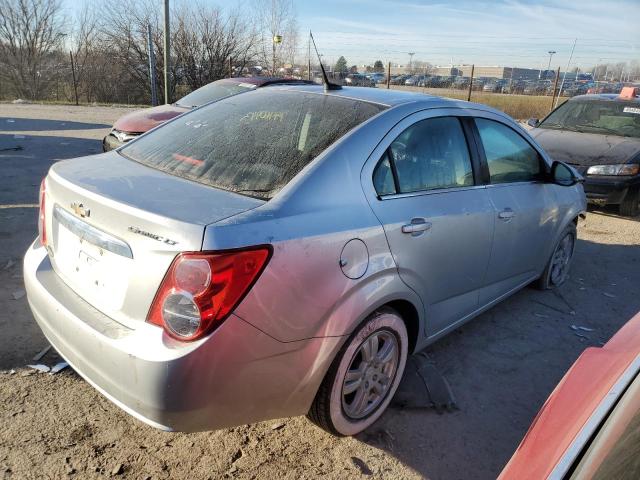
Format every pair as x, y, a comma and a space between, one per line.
509, 156
431, 154
253, 143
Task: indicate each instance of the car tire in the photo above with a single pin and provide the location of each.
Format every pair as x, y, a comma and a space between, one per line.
341, 411
557, 270
630, 206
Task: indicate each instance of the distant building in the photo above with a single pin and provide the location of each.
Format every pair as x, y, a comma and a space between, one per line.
488, 72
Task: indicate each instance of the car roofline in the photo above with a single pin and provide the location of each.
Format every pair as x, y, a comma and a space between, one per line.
391, 98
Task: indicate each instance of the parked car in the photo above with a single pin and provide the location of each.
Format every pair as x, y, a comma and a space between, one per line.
589, 425
461, 82
537, 87
399, 79
414, 80
514, 86
229, 266
136, 123
358, 80
376, 77
600, 136
430, 82
494, 86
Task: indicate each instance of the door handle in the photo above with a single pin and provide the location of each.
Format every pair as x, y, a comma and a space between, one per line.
416, 227
506, 214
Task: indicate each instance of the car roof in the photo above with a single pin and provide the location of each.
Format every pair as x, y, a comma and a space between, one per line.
613, 97
389, 97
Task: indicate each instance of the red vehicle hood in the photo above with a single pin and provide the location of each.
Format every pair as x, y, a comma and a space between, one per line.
571, 404
142, 120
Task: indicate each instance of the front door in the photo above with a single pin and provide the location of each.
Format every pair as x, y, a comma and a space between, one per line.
524, 208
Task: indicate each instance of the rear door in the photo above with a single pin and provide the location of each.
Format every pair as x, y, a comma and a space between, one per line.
524, 206
437, 218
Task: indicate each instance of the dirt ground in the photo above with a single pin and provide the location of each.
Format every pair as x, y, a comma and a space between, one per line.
501, 366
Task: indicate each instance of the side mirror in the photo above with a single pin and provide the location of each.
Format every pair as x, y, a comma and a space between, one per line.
563, 174
533, 122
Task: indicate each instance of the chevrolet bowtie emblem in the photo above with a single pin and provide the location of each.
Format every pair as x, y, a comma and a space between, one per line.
80, 210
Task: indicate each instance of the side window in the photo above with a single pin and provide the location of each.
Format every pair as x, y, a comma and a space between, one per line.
430, 154
383, 177
509, 156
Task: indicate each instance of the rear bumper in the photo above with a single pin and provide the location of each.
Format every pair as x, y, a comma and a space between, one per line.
235, 376
608, 190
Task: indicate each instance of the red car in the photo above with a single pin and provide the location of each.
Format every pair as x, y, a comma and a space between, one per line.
136, 123
590, 425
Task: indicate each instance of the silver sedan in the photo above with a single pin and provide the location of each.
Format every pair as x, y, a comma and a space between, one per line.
282, 252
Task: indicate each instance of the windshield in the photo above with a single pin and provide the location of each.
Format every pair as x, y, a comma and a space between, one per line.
597, 116
252, 144
214, 91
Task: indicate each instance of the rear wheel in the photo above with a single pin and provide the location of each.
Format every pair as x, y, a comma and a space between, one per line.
363, 377
557, 270
630, 206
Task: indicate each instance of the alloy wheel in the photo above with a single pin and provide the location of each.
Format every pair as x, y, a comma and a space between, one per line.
370, 374
562, 260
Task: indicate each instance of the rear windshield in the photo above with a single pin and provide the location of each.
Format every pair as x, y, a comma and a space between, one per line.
253, 143
213, 91
597, 116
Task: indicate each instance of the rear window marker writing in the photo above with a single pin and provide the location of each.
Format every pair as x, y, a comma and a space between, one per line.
268, 116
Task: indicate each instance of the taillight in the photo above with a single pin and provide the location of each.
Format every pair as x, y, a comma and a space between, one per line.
42, 223
200, 290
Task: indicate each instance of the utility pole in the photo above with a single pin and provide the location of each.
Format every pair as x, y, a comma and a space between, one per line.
411, 54
388, 75
276, 40
167, 51
309, 57
551, 54
555, 88
470, 83
152, 68
73, 72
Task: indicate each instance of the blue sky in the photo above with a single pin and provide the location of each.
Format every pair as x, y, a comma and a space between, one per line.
499, 32
503, 32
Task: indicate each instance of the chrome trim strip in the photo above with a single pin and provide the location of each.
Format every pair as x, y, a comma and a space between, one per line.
589, 428
435, 191
91, 234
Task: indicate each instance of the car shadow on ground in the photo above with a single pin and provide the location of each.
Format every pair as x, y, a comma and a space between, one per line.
610, 211
502, 365
8, 124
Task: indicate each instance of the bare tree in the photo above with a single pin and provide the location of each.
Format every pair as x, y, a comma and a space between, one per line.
206, 40
30, 31
125, 35
276, 17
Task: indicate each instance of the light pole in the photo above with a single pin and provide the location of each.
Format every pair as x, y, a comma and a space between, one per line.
551, 54
167, 52
277, 39
411, 54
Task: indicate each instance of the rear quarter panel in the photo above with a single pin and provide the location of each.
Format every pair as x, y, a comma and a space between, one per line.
303, 292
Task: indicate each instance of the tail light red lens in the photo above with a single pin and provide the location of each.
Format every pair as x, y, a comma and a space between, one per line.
42, 224
200, 290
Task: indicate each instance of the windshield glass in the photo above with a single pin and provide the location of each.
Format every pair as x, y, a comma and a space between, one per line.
597, 116
214, 91
252, 144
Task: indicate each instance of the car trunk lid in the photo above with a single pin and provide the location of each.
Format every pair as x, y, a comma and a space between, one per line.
115, 225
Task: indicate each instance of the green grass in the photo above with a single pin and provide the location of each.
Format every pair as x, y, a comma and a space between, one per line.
520, 107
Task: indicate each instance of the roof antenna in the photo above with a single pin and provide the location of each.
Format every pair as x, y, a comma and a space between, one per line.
325, 80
